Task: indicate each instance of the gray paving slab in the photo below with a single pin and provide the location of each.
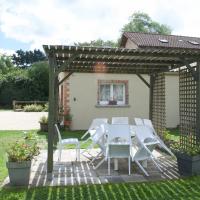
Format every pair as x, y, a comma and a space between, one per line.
70, 172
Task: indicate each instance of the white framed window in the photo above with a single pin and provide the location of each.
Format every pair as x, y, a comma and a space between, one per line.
112, 93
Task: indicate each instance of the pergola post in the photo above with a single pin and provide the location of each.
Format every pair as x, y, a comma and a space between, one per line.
151, 96
51, 115
198, 102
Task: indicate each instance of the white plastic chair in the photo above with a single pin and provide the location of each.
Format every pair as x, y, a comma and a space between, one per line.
120, 120
95, 124
119, 144
99, 138
148, 123
95, 135
146, 142
63, 142
138, 121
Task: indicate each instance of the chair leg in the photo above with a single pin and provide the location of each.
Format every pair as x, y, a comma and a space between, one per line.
156, 164
59, 152
78, 152
140, 166
96, 157
129, 165
109, 166
99, 164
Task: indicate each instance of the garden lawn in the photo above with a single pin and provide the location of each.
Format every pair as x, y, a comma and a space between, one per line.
181, 189
7, 137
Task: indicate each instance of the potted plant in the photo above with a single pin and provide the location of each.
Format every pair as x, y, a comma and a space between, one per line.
44, 123
188, 159
67, 120
112, 102
20, 155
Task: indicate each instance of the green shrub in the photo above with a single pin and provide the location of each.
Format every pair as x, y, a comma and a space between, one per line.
43, 119
46, 107
33, 108
24, 149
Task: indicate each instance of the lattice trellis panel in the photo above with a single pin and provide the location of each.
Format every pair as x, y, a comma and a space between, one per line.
158, 103
188, 103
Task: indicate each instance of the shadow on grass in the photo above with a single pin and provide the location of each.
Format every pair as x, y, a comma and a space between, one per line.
184, 189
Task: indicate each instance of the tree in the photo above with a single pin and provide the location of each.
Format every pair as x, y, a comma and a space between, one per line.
98, 43
141, 22
38, 74
5, 64
24, 59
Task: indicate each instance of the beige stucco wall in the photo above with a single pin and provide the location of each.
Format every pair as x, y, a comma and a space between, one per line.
83, 98
83, 89
172, 99
130, 45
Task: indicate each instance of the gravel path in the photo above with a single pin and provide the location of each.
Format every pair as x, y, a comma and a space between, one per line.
10, 120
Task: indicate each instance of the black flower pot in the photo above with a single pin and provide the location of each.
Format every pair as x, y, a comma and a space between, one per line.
188, 165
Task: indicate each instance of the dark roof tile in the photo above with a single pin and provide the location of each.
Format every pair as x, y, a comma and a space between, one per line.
154, 40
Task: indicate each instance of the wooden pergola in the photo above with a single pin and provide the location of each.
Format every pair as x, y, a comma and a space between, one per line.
151, 61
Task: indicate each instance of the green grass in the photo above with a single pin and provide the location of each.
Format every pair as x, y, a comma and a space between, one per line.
181, 189
173, 134
7, 137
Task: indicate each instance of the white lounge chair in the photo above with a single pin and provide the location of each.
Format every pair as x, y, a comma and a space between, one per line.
95, 124
146, 142
138, 121
96, 138
63, 142
148, 123
99, 139
120, 120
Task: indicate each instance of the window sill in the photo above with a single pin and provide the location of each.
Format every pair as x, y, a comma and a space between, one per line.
112, 106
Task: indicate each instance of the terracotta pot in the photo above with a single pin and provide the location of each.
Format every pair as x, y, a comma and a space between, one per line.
67, 124
44, 127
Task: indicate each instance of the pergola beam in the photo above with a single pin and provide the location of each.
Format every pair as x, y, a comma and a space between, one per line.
120, 60
164, 53
66, 77
143, 80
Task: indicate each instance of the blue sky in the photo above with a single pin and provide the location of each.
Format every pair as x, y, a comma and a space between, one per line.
30, 24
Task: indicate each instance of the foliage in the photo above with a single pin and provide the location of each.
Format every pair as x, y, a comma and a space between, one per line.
98, 43
24, 149
33, 108
39, 77
25, 84
46, 107
191, 150
24, 59
43, 120
5, 64
141, 22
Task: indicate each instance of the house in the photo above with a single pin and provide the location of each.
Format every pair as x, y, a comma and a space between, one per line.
95, 95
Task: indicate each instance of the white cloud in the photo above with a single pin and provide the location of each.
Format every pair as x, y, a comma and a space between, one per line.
66, 21
7, 52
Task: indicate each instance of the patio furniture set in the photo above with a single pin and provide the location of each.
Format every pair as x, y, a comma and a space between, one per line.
119, 140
